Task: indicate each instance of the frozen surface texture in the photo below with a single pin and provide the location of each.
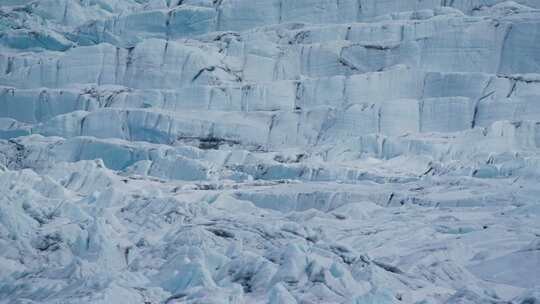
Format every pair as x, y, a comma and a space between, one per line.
269, 151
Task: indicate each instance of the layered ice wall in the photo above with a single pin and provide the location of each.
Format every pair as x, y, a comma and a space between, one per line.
269, 151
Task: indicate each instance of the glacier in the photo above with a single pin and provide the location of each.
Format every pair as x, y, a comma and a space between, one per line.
269, 151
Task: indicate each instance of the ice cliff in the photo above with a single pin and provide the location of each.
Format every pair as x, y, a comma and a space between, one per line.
269, 151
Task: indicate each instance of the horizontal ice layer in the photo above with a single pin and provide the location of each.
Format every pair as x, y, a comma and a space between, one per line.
173, 64
426, 97
510, 48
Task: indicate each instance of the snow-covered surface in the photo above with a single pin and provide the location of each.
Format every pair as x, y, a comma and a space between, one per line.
269, 151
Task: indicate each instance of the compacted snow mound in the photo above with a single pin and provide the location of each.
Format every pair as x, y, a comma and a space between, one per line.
269, 151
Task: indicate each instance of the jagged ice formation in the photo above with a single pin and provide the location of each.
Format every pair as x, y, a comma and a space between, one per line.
269, 151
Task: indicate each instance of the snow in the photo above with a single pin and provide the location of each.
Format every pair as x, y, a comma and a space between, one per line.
269, 151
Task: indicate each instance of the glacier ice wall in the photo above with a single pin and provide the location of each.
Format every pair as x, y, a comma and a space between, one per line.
269, 151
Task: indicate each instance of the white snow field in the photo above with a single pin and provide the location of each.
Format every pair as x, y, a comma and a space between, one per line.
269, 151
